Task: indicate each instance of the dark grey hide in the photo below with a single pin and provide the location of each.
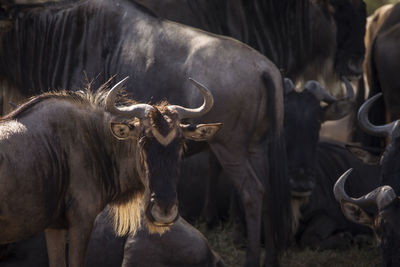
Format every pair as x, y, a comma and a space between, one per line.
182, 245
381, 67
318, 40
321, 223
65, 155
383, 199
57, 43
308, 162
304, 115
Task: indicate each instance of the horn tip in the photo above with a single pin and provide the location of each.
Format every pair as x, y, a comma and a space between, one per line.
124, 79
340, 183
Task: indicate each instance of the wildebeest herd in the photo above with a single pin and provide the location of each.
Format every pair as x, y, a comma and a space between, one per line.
91, 161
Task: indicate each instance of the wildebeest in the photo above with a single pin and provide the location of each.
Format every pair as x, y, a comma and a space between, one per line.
384, 221
51, 45
303, 117
312, 164
380, 67
307, 40
374, 23
182, 245
309, 161
321, 222
384, 201
65, 155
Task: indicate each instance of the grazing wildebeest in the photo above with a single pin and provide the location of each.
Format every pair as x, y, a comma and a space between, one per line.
306, 39
51, 45
384, 199
182, 245
65, 155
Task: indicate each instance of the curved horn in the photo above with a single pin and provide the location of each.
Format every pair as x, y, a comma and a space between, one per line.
349, 88
195, 112
366, 125
288, 85
380, 196
137, 110
319, 92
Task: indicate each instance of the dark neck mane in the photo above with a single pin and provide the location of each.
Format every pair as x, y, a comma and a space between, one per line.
56, 45
281, 30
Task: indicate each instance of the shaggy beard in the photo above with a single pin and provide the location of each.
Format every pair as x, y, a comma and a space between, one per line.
127, 215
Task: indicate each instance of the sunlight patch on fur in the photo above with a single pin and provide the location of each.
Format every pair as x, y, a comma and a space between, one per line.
127, 219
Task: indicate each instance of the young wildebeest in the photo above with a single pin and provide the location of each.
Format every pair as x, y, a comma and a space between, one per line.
65, 155
182, 245
383, 200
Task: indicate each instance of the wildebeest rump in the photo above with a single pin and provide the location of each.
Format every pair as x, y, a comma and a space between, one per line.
306, 39
51, 45
65, 155
182, 245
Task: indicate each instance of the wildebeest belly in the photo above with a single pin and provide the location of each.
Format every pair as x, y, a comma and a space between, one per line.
30, 190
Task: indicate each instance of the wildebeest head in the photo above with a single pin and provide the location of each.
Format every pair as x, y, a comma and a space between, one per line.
384, 223
303, 117
158, 134
350, 18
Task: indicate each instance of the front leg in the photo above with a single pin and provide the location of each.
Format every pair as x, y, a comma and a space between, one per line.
56, 242
79, 235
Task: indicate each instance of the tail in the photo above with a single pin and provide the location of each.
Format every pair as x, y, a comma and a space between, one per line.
277, 209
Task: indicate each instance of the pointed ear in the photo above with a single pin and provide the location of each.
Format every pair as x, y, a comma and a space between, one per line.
123, 130
200, 132
364, 155
337, 110
355, 214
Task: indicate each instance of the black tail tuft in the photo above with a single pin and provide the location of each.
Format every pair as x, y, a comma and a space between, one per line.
277, 209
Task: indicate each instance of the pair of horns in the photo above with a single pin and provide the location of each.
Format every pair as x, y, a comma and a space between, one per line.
379, 197
318, 91
141, 110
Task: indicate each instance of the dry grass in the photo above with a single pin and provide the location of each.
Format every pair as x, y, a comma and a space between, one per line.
221, 241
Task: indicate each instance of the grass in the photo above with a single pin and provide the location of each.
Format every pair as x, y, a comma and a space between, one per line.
220, 239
